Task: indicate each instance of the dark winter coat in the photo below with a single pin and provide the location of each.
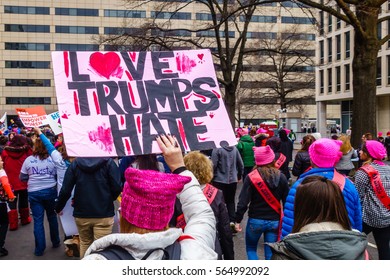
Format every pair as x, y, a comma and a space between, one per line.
301, 163
97, 183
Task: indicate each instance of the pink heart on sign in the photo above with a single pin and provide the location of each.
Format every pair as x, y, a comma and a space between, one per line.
64, 116
104, 64
200, 56
211, 115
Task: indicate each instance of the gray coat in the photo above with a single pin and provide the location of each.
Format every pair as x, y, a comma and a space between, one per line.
345, 162
228, 165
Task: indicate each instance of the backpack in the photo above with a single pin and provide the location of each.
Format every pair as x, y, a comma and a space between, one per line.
115, 252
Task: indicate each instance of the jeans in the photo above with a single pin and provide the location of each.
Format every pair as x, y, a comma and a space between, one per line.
41, 201
382, 240
254, 229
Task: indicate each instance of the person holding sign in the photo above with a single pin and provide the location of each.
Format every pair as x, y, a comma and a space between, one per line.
373, 185
264, 189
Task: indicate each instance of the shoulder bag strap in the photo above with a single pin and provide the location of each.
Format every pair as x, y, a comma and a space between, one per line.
377, 185
339, 179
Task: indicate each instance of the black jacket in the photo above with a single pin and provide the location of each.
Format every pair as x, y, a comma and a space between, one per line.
97, 183
301, 163
224, 246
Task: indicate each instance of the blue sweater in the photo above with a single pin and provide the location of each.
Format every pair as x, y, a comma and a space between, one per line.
351, 198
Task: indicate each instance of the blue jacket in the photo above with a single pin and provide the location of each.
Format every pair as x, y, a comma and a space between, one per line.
350, 193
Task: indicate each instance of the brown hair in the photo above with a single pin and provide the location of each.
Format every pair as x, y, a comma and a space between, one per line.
200, 166
319, 200
346, 146
368, 136
147, 162
40, 150
307, 140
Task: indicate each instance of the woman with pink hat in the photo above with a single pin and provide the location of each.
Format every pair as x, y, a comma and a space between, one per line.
373, 184
263, 190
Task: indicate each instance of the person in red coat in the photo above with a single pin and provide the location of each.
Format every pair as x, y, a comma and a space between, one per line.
13, 157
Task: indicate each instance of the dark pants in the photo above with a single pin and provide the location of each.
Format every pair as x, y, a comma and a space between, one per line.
247, 170
3, 223
382, 240
229, 194
22, 198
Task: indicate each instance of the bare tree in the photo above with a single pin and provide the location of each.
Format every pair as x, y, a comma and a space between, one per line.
364, 17
221, 26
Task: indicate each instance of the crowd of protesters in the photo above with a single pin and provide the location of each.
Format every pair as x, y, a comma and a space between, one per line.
164, 202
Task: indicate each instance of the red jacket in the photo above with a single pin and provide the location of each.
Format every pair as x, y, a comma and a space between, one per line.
13, 158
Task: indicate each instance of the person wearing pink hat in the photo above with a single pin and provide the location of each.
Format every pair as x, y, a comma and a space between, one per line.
373, 184
387, 144
148, 200
263, 217
324, 154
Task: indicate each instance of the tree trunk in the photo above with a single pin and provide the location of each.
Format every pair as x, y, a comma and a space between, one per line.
230, 104
364, 78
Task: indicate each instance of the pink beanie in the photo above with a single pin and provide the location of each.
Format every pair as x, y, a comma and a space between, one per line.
261, 130
241, 131
149, 196
376, 149
325, 152
380, 134
263, 155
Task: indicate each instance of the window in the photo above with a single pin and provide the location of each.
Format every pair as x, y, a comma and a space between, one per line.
379, 31
264, 19
347, 44
338, 47
27, 64
173, 33
347, 71
329, 23
298, 20
338, 79
28, 100
211, 33
379, 71
321, 81
299, 36
27, 83
121, 30
28, 46
329, 40
388, 69
27, 28
77, 12
26, 10
76, 47
322, 52
261, 35
125, 13
203, 16
77, 29
321, 23
330, 81
171, 15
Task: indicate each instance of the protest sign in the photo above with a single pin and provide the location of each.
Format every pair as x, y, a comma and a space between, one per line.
32, 117
54, 121
116, 103
3, 122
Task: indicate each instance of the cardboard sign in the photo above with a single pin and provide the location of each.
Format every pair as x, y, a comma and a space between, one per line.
116, 103
32, 117
55, 122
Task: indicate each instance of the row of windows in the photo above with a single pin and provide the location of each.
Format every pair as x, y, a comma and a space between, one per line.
27, 82
347, 78
329, 44
170, 15
77, 29
27, 64
27, 28
28, 46
271, 68
26, 10
77, 12
28, 100
121, 30
77, 47
125, 14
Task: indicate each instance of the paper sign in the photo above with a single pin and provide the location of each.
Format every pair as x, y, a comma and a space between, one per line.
116, 103
55, 122
32, 117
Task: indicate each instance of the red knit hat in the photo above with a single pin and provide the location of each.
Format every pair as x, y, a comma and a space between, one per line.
148, 197
263, 155
325, 152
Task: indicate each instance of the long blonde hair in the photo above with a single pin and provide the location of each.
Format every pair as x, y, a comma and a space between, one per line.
346, 147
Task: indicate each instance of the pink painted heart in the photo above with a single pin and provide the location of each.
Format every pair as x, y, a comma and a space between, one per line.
64, 116
211, 115
200, 56
104, 64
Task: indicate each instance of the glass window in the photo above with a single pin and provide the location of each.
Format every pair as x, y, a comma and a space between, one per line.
170, 15
27, 46
27, 64
329, 40
77, 47
125, 13
298, 20
329, 23
322, 52
321, 23
347, 44
27, 28
329, 80
347, 77
77, 12
338, 79
338, 47
26, 10
27, 83
28, 100
321, 81
379, 71
77, 29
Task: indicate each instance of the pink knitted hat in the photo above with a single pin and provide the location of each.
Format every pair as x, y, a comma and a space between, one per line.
261, 130
325, 152
241, 131
148, 197
376, 149
263, 155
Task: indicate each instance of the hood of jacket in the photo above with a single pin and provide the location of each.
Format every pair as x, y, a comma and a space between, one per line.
273, 180
229, 149
323, 245
16, 152
90, 165
246, 138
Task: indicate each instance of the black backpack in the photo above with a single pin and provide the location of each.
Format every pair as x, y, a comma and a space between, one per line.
115, 252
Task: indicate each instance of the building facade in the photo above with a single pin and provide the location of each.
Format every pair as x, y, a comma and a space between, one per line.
30, 30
